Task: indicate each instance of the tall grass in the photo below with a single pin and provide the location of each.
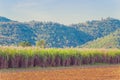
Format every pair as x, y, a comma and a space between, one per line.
17, 57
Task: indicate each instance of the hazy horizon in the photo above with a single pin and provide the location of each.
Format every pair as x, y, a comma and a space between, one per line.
62, 11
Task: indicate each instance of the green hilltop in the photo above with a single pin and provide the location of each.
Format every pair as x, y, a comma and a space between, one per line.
109, 41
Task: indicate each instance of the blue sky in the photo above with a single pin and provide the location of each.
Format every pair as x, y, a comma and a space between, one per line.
63, 11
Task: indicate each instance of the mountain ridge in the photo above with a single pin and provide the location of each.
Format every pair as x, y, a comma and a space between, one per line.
56, 34
98, 28
4, 19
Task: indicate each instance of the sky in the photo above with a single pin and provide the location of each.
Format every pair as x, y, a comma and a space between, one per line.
62, 11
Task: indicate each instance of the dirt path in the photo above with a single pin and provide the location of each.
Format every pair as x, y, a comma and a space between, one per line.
73, 73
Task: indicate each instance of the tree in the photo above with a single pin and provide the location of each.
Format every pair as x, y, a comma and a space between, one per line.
24, 44
41, 43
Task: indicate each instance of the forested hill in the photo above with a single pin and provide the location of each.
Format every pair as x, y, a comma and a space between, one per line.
15, 32
56, 34
59, 35
99, 28
110, 41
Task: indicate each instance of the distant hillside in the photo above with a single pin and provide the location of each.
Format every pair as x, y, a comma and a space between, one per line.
55, 34
59, 35
99, 28
110, 41
15, 32
4, 19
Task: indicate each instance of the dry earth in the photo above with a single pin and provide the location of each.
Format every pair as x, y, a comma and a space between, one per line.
70, 73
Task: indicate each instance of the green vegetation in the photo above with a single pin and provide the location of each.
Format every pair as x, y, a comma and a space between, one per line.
58, 35
41, 43
55, 34
24, 44
12, 33
110, 41
17, 57
99, 28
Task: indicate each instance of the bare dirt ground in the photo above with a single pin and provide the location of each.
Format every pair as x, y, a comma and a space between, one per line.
70, 73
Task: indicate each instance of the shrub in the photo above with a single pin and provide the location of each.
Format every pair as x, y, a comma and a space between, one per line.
24, 44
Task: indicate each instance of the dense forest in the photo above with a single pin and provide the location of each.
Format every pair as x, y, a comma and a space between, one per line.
96, 32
